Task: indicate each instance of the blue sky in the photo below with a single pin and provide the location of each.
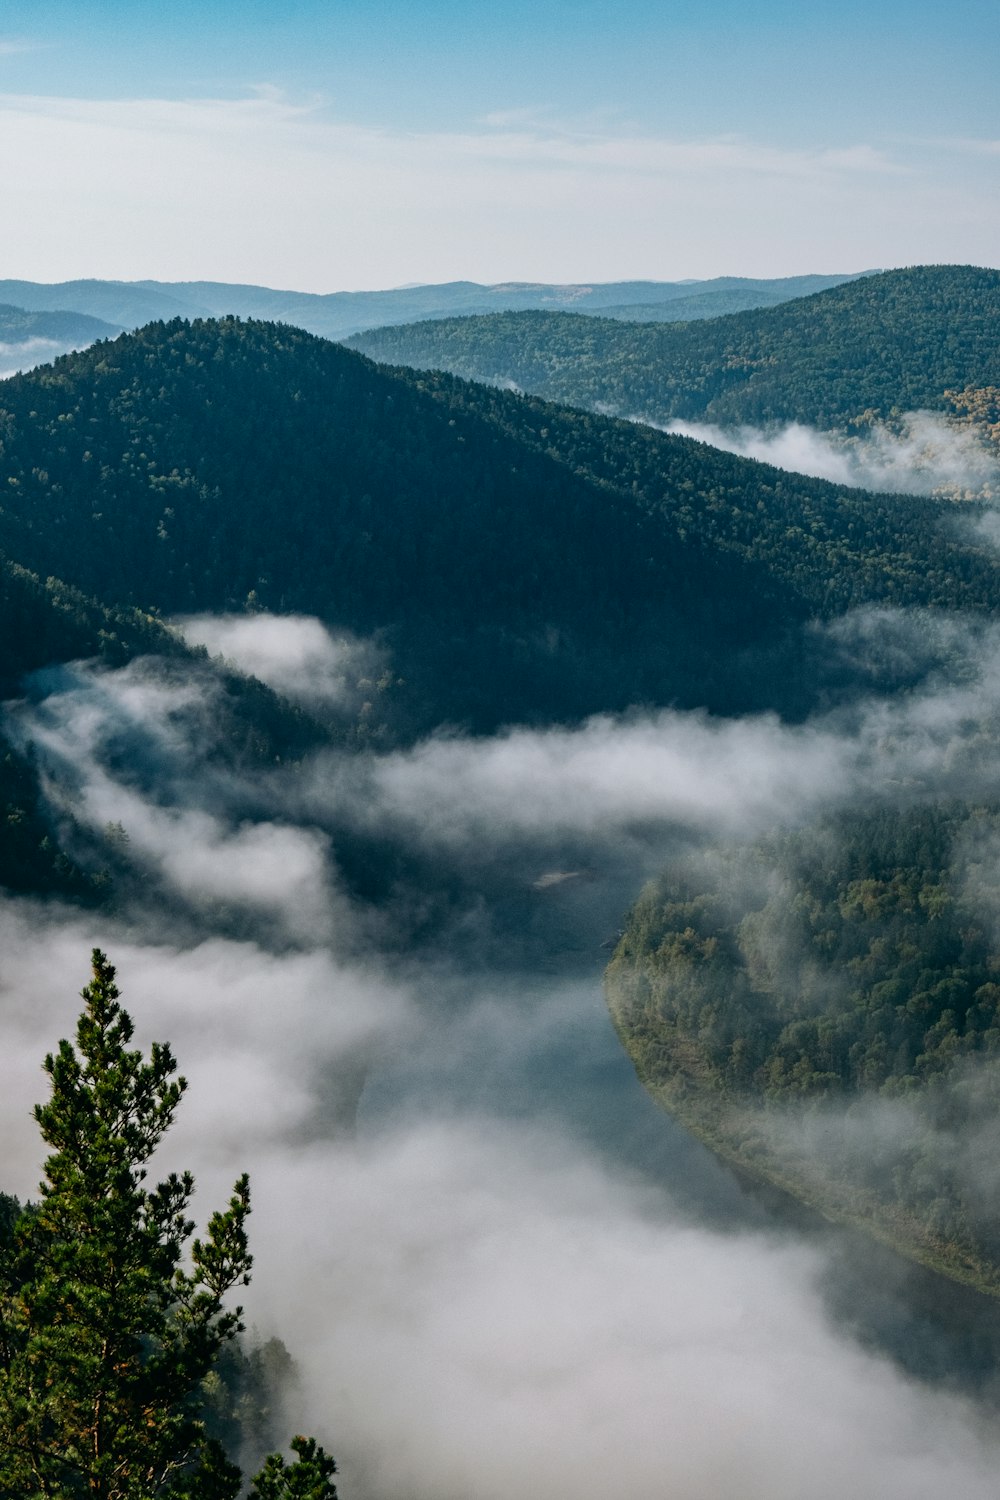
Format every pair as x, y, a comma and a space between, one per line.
348, 143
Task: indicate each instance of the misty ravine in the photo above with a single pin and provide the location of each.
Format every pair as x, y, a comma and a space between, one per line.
496, 1263
500, 672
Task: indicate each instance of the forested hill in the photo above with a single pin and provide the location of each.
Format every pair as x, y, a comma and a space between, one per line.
47, 621
825, 547
199, 467
823, 1009
520, 563
893, 342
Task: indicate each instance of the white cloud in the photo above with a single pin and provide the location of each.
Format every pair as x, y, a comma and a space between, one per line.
272, 870
620, 779
924, 454
485, 1295
273, 190
28, 353
294, 654
480, 1304
506, 1318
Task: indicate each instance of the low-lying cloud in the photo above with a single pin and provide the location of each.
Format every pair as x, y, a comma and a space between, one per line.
615, 778
294, 654
478, 1303
487, 1283
25, 354
924, 454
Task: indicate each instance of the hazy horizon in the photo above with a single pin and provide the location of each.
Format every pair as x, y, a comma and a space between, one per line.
321, 146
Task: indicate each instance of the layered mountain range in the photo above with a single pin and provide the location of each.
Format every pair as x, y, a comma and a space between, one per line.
129, 304
843, 358
518, 562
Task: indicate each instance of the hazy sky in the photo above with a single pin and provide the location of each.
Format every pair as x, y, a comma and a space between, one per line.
331, 144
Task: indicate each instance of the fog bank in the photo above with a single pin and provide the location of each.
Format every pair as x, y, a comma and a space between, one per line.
498, 1267
924, 454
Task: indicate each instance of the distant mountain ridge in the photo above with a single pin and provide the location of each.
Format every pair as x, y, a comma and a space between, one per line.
336, 315
31, 338
716, 301
17, 325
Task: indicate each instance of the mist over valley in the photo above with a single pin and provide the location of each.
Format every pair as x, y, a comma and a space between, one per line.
365, 714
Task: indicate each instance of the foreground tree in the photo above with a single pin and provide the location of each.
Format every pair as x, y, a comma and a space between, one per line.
105, 1336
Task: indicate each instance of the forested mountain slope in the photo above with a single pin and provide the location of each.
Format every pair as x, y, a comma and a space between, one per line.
823, 1009
48, 621
190, 467
825, 547
519, 562
887, 343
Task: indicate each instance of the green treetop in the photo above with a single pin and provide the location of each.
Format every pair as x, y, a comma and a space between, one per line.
105, 1335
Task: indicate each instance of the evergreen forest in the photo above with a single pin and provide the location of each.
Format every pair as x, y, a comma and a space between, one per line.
842, 358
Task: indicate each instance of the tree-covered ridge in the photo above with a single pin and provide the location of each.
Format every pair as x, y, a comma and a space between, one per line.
518, 561
724, 294
825, 547
824, 1008
44, 622
192, 467
865, 350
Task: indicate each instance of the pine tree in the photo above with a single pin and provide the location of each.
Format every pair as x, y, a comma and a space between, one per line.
306, 1479
105, 1336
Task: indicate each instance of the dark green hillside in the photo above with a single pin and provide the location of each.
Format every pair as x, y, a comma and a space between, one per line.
882, 344
824, 547
193, 467
50, 622
824, 1009
520, 562
199, 467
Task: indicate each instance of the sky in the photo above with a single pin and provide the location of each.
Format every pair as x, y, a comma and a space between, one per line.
326, 145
